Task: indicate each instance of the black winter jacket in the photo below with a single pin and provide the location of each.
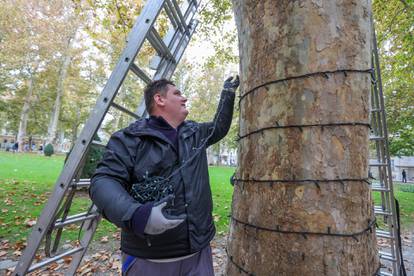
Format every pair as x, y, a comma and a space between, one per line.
139, 150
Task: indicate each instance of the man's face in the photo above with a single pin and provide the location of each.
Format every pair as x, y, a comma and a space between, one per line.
174, 103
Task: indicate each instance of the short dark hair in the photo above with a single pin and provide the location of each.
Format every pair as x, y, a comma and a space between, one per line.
158, 86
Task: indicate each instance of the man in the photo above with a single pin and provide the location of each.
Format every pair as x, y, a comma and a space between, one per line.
404, 176
166, 156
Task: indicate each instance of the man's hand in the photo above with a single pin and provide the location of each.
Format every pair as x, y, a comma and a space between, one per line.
231, 84
157, 222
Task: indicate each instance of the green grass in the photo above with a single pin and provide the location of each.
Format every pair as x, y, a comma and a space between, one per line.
405, 196
222, 195
26, 181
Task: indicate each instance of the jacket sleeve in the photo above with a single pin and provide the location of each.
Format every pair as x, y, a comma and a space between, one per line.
219, 127
108, 189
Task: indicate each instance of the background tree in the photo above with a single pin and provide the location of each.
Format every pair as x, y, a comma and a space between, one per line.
395, 26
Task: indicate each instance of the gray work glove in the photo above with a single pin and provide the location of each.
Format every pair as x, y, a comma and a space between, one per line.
231, 84
157, 222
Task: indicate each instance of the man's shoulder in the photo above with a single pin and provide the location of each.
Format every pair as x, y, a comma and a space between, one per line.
136, 128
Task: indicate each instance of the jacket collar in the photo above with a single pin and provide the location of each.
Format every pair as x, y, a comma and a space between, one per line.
141, 128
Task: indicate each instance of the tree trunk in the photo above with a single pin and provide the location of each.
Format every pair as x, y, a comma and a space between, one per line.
54, 118
296, 188
24, 115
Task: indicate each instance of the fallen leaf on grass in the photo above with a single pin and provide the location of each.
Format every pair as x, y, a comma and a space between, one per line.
67, 259
29, 222
216, 217
4, 210
3, 253
17, 253
8, 201
52, 266
20, 245
5, 244
104, 239
9, 271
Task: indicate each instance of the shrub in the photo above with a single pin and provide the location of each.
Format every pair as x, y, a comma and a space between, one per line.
94, 155
407, 188
48, 151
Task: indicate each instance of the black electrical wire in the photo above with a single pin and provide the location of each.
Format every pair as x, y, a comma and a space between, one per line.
304, 181
277, 126
241, 269
305, 233
403, 272
321, 73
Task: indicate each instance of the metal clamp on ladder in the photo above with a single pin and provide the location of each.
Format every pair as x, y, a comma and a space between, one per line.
55, 215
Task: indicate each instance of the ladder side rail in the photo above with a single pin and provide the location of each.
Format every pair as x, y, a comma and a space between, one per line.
396, 264
64, 211
89, 227
180, 16
377, 122
178, 49
172, 39
135, 41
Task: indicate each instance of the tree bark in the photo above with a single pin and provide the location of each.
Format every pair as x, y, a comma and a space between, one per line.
54, 118
24, 114
286, 226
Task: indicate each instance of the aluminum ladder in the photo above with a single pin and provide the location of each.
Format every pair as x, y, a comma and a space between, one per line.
380, 164
169, 50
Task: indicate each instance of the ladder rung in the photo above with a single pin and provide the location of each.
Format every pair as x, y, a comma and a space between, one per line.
386, 256
376, 164
379, 188
156, 41
74, 219
383, 273
123, 109
380, 211
376, 109
384, 234
54, 259
141, 74
82, 183
97, 143
376, 138
180, 15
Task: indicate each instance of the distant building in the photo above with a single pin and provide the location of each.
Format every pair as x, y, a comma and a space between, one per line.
398, 164
226, 157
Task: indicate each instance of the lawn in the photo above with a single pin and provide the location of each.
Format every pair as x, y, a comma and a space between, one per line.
26, 181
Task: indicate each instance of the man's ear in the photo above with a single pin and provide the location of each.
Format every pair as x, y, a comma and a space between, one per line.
159, 100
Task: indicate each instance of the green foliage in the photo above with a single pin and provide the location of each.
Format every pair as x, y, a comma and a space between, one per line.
94, 155
394, 25
48, 151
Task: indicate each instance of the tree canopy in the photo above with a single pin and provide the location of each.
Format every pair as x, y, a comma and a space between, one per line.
33, 43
